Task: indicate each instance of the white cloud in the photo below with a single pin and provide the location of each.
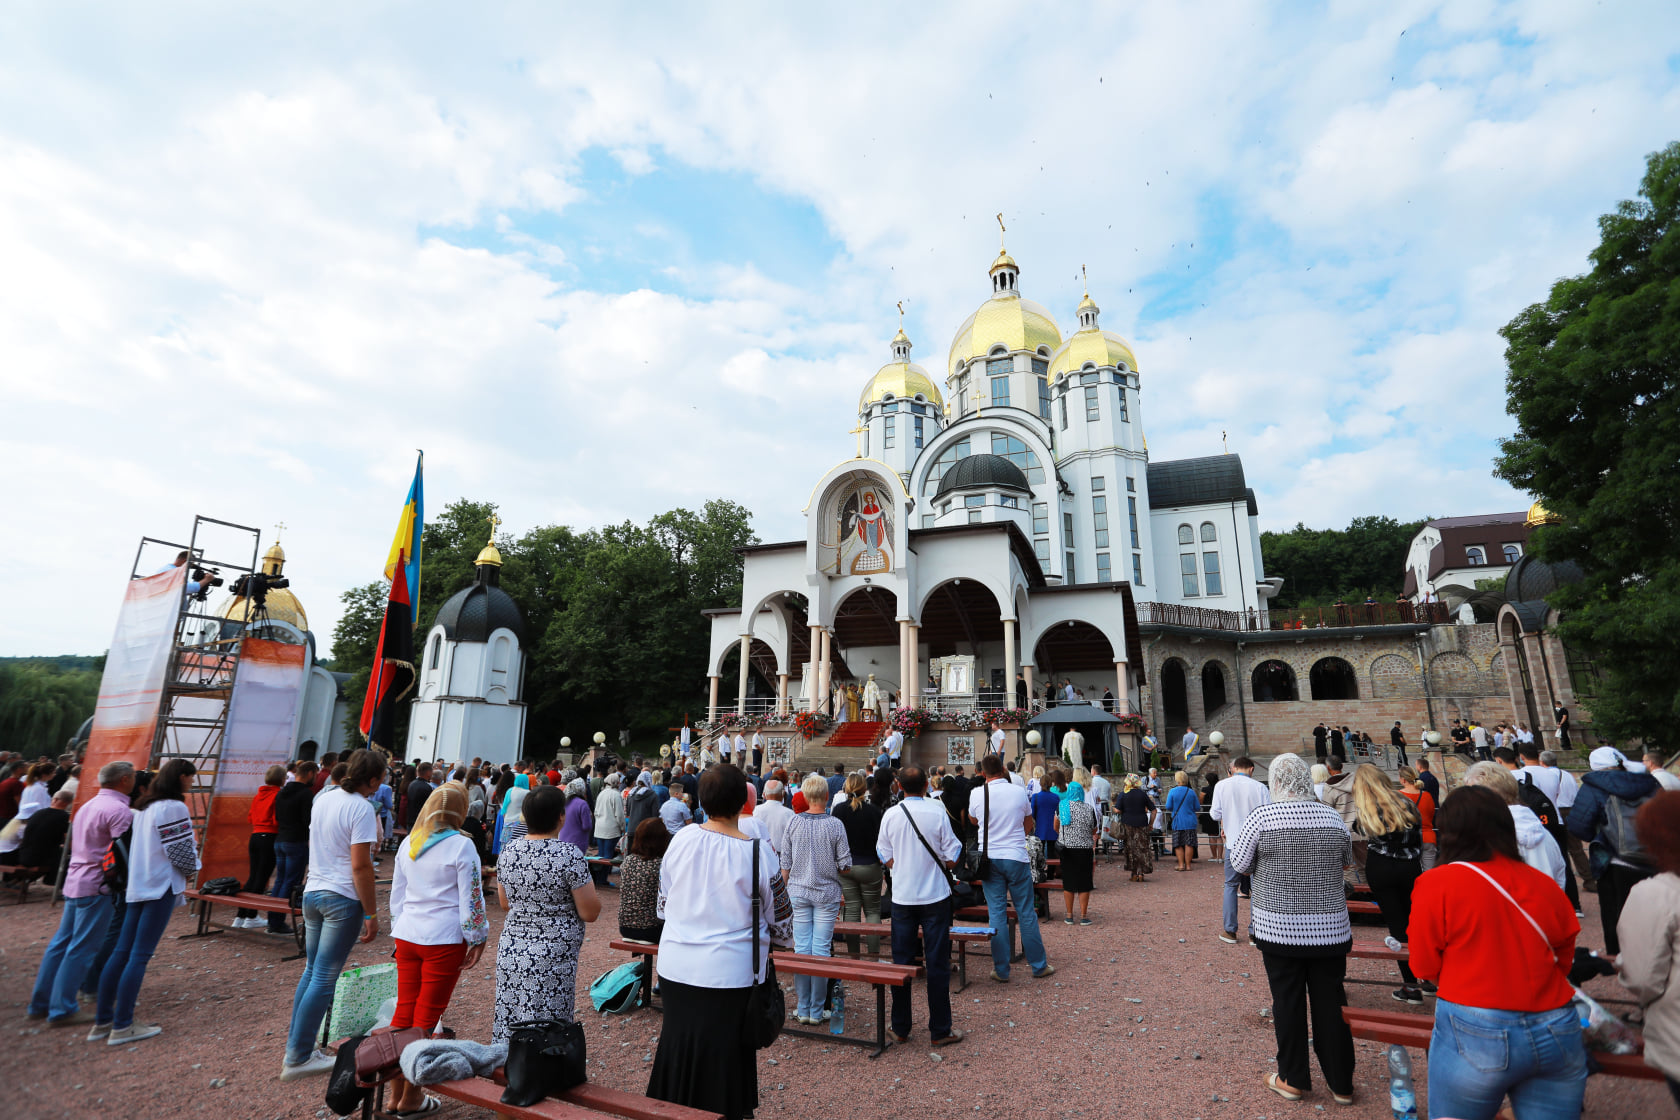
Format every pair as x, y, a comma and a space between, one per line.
245, 270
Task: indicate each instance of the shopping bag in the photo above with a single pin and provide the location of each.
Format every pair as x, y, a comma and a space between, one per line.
356, 1000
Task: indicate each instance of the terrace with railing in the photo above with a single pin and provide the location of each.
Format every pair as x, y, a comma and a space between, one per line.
1339, 615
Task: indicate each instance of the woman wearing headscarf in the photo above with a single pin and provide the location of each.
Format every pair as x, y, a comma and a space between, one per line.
579, 821
512, 807
953, 795
1076, 835
1294, 850
609, 817
642, 804
1136, 808
437, 921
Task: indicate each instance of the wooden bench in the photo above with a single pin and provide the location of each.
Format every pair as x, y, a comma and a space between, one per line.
961, 936
600, 870
1359, 906
21, 877
982, 913
585, 1102
878, 974
1405, 1028
245, 900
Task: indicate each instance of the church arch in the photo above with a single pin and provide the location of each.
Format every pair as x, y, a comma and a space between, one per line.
1331, 678
1273, 680
1175, 696
1454, 674
1395, 677
1213, 688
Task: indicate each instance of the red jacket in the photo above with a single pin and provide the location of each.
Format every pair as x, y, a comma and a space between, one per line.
1479, 950
262, 810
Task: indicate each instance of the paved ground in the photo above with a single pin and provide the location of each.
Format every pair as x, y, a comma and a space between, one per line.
1148, 1016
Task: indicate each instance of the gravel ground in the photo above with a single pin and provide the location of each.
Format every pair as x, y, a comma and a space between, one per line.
1148, 1015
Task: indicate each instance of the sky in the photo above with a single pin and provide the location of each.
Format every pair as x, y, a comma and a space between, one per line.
602, 261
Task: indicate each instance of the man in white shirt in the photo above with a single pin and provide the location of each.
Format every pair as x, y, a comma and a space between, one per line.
1233, 800
1067, 690
1479, 736
1654, 767
757, 750
773, 814
1000, 809
740, 749
1015, 777
1189, 742
921, 888
997, 738
895, 747
1100, 792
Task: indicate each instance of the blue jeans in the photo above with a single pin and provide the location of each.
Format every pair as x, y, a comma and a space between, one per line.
606, 846
291, 861
813, 933
81, 931
1477, 1055
1229, 911
119, 984
1011, 881
932, 921
331, 925
90, 982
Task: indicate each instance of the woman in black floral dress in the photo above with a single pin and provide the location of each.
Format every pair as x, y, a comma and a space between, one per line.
544, 886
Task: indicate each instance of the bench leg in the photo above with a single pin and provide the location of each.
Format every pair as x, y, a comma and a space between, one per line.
1015, 952
962, 965
204, 928
880, 1022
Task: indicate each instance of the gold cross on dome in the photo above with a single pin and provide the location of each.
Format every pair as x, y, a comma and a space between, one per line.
855, 432
279, 527
494, 522
1002, 229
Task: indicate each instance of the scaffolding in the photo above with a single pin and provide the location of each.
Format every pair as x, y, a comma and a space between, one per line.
203, 664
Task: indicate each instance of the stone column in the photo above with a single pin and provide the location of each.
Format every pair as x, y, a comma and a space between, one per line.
1123, 694
1009, 666
711, 705
1027, 675
913, 683
904, 659
814, 693
741, 694
826, 673
781, 693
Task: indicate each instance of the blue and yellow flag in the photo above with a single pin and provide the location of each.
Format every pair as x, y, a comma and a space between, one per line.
405, 547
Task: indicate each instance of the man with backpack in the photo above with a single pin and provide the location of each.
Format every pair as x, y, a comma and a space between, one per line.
1541, 789
1603, 815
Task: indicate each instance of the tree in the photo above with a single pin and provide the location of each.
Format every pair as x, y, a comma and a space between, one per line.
43, 704
354, 639
1591, 380
1319, 566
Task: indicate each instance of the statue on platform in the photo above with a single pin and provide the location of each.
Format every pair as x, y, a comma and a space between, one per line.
1073, 749
852, 703
872, 698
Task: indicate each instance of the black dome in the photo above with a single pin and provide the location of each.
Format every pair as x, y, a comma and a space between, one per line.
1531, 578
474, 613
978, 471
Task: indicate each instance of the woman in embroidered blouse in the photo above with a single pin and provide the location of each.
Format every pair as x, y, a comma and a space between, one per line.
1392, 863
1294, 850
437, 921
543, 883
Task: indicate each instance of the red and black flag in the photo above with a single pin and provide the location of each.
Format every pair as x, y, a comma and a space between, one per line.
393, 666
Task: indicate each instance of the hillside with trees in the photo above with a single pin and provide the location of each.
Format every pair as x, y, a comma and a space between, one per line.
1320, 566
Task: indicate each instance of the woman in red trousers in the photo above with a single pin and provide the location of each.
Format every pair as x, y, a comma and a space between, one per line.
437, 921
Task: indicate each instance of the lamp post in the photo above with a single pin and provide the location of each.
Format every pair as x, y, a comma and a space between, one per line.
566, 744
1033, 740
1433, 738
600, 737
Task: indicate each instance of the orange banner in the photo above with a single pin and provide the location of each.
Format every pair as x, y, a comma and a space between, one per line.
131, 689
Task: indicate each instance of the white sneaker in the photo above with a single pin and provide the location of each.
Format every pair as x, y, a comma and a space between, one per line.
318, 1062
241, 923
134, 1032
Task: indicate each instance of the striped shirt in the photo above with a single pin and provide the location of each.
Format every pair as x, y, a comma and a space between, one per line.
1295, 852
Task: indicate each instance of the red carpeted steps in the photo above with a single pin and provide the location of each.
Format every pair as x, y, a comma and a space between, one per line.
861, 733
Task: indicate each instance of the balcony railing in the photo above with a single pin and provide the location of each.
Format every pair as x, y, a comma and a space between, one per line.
1339, 615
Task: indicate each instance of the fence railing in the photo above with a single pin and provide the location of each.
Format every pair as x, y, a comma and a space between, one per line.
1294, 618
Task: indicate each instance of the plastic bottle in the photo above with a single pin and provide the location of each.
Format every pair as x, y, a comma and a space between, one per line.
837, 1021
1394, 944
1401, 1097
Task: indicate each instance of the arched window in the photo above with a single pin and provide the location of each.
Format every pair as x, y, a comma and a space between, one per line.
435, 653
1209, 533
1475, 556
947, 459
1175, 700
1513, 553
1186, 535
1332, 678
1019, 454
1213, 687
1274, 680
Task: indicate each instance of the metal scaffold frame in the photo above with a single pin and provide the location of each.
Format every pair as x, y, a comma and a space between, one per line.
203, 665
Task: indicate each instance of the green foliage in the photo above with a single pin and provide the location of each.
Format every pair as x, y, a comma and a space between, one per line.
43, 703
613, 631
1591, 381
1319, 566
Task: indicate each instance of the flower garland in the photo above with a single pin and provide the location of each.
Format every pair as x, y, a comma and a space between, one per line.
811, 724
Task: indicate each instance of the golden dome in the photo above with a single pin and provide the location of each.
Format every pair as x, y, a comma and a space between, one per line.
1004, 260
1087, 303
1100, 348
1007, 320
901, 379
274, 559
1539, 515
283, 606
489, 555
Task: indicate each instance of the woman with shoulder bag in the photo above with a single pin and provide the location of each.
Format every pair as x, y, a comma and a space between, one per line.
707, 1056
1135, 811
437, 921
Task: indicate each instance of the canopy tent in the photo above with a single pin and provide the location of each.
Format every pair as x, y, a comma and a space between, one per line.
1100, 729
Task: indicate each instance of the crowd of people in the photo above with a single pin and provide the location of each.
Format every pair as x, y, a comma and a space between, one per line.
714, 858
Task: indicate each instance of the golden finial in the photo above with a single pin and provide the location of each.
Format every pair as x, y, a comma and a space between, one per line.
495, 522
1002, 229
279, 527
1085, 280
900, 314
490, 554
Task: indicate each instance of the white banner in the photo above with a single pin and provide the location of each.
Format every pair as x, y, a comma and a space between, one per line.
262, 713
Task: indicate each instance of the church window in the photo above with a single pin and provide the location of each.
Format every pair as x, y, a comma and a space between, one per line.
1125, 418
919, 423
1067, 526
1513, 553
889, 438
1475, 556
947, 459
890, 406
1187, 567
1104, 573
1019, 454
1069, 575
1091, 379
1062, 400
1210, 572
1041, 549
1097, 483
1000, 392
501, 652
1099, 516
1043, 397
1092, 410
1137, 569
1000, 367
974, 500
919, 409
435, 654
1119, 379
1041, 520
1009, 501
1186, 535
974, 517
945, 508
866, 439
1209, 533
1583, 673
1131, 488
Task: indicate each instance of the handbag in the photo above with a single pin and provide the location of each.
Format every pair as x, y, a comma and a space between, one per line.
225, 885
357, 995
962, 893
382, 1050
345, 1091
975, 863
767, 1003
545, 1058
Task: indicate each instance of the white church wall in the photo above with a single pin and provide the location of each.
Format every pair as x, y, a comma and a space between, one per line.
466, 668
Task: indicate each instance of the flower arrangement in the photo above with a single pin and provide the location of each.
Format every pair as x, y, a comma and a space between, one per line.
1131, 723
811, 724
909, 722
